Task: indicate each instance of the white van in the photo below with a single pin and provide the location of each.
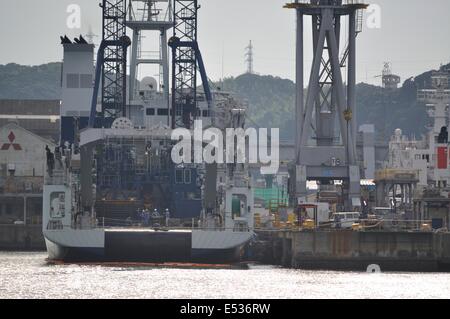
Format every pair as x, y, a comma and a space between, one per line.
344, 220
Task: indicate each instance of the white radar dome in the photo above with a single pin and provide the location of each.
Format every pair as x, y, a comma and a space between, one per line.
122, 123
148, 84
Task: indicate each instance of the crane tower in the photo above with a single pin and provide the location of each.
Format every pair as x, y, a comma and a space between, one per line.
111, 70
186, 61
326, 119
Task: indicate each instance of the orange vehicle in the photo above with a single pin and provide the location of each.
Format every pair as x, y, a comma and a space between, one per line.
306, 212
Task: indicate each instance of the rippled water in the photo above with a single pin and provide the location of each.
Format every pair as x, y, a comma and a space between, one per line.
26, 275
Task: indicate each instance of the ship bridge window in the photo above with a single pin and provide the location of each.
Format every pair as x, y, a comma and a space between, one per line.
183, 176
86, 81
73, 81
187, 176
150, 112
79, 81
205, 113
179, 176
163, 112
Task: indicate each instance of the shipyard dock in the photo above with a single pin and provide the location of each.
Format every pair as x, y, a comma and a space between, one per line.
21, 238
353, 250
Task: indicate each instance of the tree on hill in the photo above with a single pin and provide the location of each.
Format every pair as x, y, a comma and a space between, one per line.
30, 82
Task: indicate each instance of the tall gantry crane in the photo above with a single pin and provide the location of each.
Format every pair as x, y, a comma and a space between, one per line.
326, 120
111, 69
186, 57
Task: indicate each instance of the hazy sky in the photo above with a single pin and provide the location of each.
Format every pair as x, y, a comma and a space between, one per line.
414, 35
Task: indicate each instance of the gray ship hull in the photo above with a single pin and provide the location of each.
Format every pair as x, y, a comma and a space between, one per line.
145, 246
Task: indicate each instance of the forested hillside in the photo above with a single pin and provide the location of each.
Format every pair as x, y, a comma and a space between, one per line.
271, 99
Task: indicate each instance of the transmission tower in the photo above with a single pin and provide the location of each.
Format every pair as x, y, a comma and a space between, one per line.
249, 58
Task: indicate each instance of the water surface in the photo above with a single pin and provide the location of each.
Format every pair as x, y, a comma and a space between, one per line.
27, 275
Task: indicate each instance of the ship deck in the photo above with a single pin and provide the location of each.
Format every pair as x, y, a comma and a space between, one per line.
147, 230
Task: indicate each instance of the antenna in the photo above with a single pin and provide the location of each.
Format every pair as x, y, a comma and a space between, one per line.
387, 70
389, 80
249, 58
90, 35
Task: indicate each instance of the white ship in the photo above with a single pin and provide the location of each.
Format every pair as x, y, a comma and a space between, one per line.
103, 173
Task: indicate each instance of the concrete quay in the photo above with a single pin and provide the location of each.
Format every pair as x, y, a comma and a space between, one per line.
355, 250
21, 238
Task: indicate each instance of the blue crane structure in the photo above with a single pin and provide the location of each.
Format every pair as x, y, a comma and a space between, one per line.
186, 60
111, 66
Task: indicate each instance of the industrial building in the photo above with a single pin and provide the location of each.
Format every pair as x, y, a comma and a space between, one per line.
26, 128
22, 161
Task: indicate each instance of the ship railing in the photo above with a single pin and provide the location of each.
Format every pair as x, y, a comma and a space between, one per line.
385, 225
57, 177
331, 2
110, 223
389, 225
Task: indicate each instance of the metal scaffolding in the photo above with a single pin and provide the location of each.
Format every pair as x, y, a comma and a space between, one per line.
186, 60
184, 63
114, 62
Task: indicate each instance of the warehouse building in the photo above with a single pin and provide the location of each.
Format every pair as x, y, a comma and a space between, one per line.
22, 169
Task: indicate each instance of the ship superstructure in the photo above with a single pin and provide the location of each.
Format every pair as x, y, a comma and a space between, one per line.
429, 156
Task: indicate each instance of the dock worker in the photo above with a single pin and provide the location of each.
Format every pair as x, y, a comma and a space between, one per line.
58, 157
155, 214
146, 217
50, 161
167, 215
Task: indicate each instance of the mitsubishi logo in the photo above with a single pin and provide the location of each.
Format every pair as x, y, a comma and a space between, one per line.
15, 146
